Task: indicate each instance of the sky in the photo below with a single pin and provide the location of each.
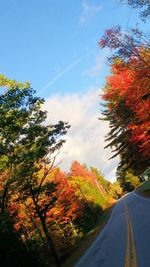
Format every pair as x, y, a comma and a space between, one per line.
53, 44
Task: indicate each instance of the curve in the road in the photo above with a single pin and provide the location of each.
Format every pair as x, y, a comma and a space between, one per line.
125, 240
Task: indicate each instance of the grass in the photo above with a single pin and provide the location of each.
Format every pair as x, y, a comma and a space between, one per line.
144, 189
86, 242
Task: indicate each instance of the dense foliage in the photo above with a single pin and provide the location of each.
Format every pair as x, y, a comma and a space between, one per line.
44, 212
126, 95
26, 147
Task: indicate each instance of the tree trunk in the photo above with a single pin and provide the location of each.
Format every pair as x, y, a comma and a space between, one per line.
46, 232
36, 226
49, 240
4, 198
50, 245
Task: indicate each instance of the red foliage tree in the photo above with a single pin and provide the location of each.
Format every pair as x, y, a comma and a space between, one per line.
68, 206
126, 96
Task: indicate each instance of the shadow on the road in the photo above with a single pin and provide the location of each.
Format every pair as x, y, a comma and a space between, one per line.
87, 241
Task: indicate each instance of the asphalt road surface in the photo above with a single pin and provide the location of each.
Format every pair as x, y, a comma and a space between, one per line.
125, 240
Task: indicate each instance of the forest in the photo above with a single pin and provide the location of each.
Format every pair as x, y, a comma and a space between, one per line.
44, 211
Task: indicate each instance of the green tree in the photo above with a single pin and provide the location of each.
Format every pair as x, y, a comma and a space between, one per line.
27, 145
127, 179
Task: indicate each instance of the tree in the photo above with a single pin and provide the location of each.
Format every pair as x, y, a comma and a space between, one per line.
126, 45
90, 184
27, 145
117, 189
127, 179
141, 4
126, 97
68, 206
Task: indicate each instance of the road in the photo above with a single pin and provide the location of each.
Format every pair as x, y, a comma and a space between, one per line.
125, 240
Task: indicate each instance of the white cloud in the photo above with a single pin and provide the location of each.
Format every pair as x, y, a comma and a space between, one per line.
85, 138
88, 11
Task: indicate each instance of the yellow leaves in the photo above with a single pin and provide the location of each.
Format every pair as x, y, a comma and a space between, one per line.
7, 83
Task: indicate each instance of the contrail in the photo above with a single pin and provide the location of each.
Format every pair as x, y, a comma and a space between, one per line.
70, 66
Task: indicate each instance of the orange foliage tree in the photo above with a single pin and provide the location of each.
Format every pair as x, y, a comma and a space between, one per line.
126, 96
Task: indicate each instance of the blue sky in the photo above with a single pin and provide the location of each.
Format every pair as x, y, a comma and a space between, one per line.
39, 39
53, 44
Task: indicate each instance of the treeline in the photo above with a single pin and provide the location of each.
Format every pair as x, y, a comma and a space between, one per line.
71, 204
44, 212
